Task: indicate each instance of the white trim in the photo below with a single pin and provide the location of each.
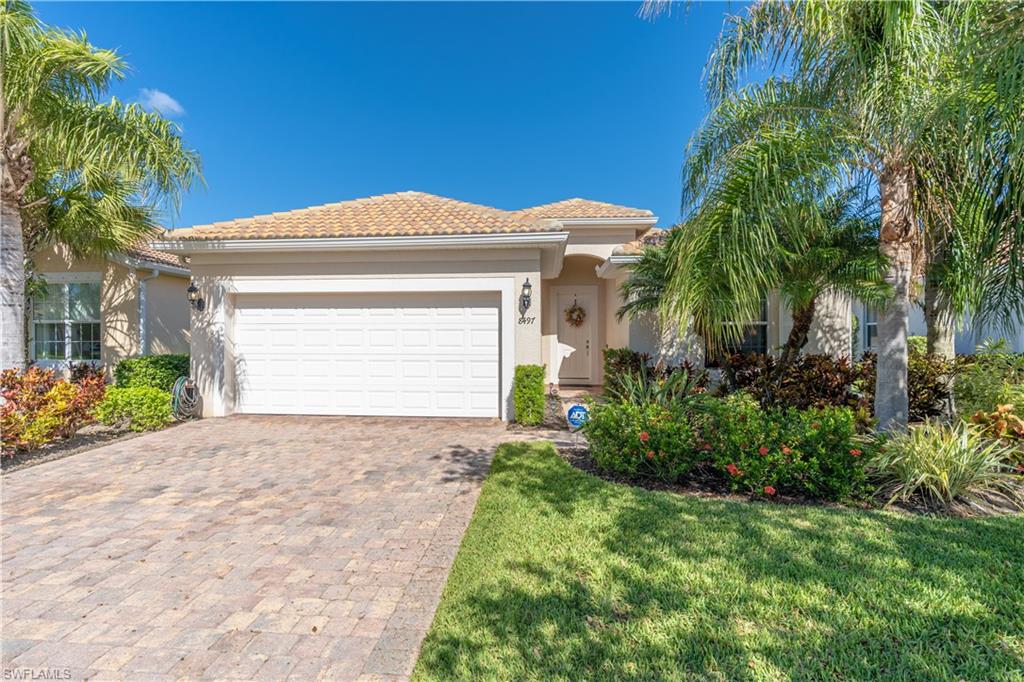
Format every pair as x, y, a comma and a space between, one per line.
65, 278
144, 312
507, 313
591, 289
609, 269
345, 243
608, 222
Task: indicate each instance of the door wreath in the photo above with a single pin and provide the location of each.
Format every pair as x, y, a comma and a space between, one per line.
575, 314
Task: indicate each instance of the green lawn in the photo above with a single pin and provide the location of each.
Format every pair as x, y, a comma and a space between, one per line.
565, 576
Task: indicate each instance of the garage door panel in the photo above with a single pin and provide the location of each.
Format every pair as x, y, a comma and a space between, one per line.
372, 354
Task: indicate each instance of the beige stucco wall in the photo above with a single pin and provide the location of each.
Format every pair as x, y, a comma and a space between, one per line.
119, 305
168, 314
213, 273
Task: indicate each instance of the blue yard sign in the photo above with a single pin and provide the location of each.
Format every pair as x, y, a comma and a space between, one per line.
577, 416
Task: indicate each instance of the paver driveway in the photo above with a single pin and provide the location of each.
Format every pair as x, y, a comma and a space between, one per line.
246, 547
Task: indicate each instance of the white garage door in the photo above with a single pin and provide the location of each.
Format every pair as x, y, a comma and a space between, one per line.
368, 354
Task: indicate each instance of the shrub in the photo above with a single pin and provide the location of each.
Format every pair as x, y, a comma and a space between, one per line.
1005, 425
991, 377
953, 467
917, 344
528, 394
647, 386
39, 407
812, 452
811, 381
619, 362
653, 440
139, 408
928, 383
152, 371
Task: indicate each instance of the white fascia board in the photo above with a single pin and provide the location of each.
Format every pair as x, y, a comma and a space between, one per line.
610, 268
445, 241
609, 222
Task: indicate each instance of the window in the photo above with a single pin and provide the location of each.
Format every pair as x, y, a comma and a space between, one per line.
66, 322
754, 339
870, 327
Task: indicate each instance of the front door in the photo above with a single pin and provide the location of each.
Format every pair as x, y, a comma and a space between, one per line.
579, 334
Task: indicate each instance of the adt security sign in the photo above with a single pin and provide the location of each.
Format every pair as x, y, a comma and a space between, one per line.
577, 416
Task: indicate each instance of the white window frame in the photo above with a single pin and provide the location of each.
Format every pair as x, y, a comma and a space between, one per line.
868, 312
65, 278
762, 322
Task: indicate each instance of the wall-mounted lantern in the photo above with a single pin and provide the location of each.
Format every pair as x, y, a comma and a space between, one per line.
526, 297
194, 299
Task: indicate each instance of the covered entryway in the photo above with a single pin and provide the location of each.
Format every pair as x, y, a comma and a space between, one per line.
386, 354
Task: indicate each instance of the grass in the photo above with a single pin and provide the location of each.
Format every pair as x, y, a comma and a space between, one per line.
564, 576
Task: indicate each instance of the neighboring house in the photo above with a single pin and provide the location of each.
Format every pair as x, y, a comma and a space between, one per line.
413, 304
100, 310
966, 341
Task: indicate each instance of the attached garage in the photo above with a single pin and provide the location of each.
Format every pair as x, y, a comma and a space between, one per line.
388, 353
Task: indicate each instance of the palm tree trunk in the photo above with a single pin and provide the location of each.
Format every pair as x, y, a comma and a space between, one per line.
896, 238
938, 313
12, 286
798, 335
795, 342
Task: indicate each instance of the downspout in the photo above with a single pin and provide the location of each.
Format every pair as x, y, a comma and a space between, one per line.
143, 324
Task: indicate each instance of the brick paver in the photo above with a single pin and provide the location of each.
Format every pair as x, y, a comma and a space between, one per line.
240, 548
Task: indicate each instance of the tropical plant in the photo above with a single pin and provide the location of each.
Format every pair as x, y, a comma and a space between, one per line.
91, 174
643, 289
642, 439
138, 409
39, 407
861, 91
992, 376
649, 386
952, 467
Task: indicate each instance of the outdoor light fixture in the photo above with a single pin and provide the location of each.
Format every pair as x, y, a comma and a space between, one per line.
193, 297
525, 298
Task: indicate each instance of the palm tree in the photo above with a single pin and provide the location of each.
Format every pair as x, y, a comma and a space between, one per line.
817, 246
76, 169
855, 91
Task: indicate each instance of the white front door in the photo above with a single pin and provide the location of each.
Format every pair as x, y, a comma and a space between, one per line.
423, 355
579, 366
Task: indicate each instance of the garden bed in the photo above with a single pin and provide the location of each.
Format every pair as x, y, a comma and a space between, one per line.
703, 481
88, 438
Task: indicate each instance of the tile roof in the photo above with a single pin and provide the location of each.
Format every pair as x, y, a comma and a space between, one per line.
656, 236
584, 208
142, 251
404, 214
386, 215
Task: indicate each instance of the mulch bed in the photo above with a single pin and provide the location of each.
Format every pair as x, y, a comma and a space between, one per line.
554, 417
87, 438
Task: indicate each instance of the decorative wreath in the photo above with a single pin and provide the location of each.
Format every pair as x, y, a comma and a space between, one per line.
575, 314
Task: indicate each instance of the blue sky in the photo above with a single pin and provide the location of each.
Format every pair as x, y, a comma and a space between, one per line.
510, 105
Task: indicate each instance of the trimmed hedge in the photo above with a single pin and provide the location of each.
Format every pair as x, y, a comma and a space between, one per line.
151, 371
140, 408
653, 440
528, 394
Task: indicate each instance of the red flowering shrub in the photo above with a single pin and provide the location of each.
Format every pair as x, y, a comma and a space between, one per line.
40, 407
650, 440
801, 452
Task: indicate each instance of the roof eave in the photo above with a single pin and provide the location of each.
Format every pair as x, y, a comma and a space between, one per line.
185, 246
